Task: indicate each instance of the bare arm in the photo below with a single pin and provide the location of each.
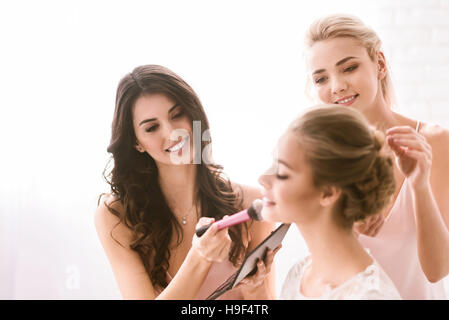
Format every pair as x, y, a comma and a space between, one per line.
432, 234
213, 245
432, 213
424, 163
129, 271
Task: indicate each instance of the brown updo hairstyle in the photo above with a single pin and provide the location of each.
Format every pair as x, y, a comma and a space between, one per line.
345, 152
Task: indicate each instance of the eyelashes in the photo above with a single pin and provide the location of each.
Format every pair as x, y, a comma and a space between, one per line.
156, 126
348, 69
320, 80
152, 128
179, 114
281, 177
351, 68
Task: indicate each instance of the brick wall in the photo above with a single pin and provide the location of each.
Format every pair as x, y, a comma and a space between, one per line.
416, 41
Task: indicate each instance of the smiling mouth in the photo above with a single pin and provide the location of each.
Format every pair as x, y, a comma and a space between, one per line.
178, 146
348, 100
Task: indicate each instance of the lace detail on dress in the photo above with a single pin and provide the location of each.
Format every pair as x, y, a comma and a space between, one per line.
370, 284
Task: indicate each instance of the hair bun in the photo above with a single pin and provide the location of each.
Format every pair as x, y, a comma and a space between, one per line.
373, 193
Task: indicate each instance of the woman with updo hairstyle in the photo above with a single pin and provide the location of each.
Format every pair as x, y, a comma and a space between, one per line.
163, 186
410, 236
330, 171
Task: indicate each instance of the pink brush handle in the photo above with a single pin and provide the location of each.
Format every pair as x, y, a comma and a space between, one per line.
236, 218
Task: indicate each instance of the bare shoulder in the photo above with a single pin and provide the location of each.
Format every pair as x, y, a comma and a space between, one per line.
438, 138
247, 193
436, 135
107, 223
127, 266
103, 215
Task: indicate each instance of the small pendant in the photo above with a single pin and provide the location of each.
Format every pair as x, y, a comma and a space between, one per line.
183, 220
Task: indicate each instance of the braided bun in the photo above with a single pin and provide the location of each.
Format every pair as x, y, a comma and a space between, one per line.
372, 193
344, 151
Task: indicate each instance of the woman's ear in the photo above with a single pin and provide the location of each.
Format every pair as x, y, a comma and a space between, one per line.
139, 148
329, 195
381, 65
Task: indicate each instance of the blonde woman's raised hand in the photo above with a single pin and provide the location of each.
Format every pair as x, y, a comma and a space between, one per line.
413, 155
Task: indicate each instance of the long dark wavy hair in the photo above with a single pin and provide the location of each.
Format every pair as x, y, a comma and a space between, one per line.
133, 177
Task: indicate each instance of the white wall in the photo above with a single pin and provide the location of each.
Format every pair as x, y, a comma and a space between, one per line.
60, 64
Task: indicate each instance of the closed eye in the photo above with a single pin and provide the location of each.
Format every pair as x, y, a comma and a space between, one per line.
179, 114
152, 128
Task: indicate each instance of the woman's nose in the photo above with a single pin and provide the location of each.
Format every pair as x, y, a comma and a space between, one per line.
173, 134
166, 129
338, 85
264, 179
261, 181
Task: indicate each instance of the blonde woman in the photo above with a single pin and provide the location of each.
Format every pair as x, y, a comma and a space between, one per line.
409, 238
331, 172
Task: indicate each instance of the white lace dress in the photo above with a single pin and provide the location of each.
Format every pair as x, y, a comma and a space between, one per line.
370, 284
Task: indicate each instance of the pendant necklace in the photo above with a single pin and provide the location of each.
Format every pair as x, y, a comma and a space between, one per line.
184, 218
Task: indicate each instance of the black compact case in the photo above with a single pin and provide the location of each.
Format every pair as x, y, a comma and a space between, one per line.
248, 266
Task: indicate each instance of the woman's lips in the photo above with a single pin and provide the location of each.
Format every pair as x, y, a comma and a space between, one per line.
177, 145
267, 202
347, 101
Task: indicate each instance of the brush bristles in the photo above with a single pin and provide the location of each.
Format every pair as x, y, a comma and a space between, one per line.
254, 211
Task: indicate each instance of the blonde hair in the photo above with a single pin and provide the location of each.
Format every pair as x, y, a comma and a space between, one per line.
344, 151
349, 26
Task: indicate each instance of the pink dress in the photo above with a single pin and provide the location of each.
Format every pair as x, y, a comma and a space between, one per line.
395, 248
218, 273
